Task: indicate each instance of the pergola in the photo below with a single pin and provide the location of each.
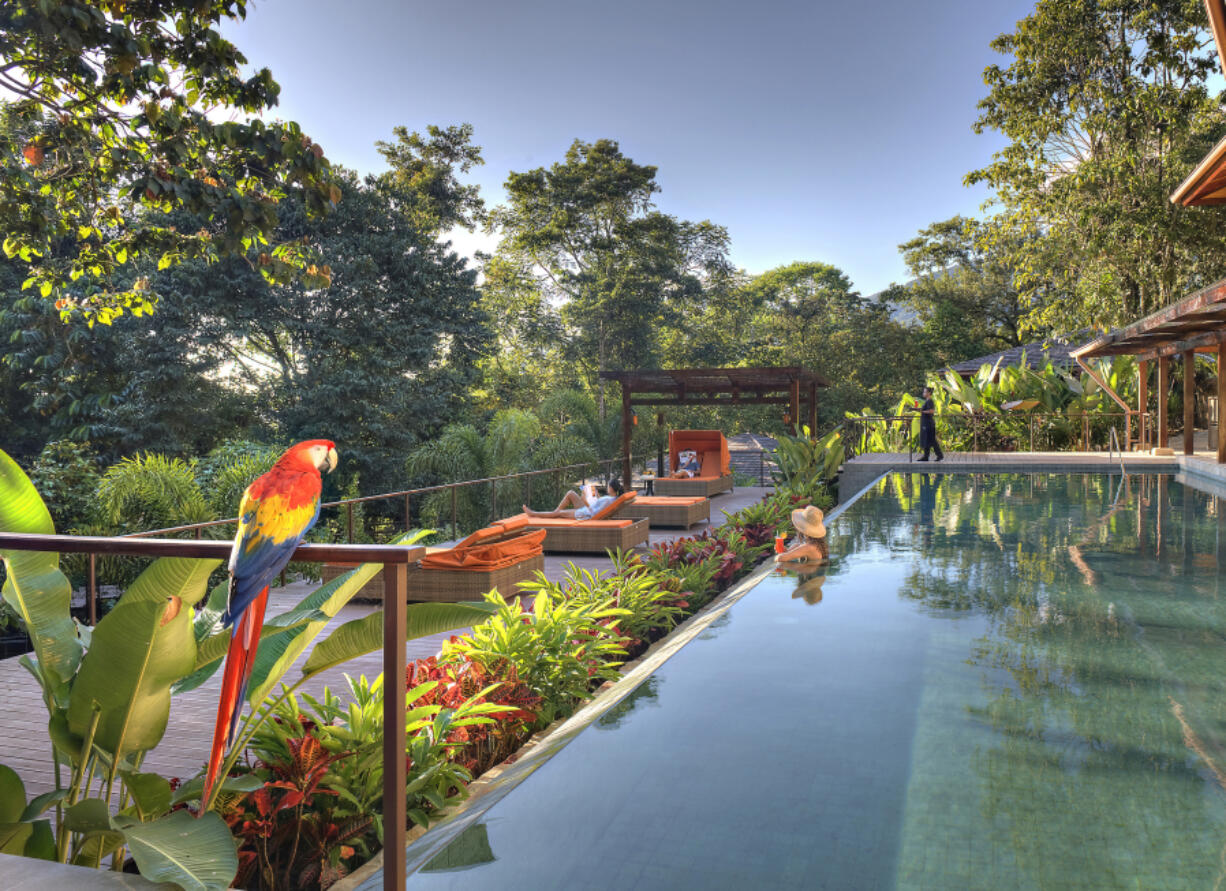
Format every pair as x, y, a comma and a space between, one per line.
1196, 324
682, 387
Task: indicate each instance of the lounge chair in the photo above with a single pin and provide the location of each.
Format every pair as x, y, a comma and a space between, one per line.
715, 475
602, 532
499, 556
662, 510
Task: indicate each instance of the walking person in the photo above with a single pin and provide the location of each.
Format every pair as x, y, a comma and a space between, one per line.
928, 427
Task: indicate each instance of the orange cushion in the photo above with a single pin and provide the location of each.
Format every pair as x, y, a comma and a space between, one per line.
552, 522
669, 500
488, 557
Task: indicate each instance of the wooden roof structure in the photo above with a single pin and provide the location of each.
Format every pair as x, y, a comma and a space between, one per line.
1206, 184
680, 387
714, 386
1196, 323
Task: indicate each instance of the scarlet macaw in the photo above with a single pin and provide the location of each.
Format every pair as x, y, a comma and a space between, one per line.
276, 512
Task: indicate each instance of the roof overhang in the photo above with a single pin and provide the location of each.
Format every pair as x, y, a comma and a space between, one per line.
714, 386
1195, 323
1207, 183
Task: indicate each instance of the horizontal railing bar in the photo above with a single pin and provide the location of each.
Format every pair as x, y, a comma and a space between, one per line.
177, 547
441, 487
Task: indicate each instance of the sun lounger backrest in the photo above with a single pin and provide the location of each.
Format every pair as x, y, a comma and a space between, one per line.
610, 509
492, 555
701, 441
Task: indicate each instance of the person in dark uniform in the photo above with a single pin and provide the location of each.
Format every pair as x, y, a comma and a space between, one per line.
928, 427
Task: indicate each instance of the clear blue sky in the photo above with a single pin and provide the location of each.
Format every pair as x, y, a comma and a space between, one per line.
825, 130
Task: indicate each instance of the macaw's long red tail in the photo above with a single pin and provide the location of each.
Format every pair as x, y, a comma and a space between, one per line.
240, 659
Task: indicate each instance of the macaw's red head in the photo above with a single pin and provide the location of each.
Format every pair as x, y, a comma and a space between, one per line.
318, 454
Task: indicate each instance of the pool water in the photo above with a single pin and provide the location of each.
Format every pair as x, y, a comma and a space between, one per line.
1005, 681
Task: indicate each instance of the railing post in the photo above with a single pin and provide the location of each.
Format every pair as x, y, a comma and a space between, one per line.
974, 433
91, 589
395, 808
455, 523
349, 514
1030, 424
493, 501
408, 513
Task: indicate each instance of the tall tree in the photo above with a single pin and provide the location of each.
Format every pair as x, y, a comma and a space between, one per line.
963, 292
1106, 108
115, 109
809, 314
618, 270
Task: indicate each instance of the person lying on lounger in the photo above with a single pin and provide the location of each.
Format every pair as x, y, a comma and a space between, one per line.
581, 505
687, 465
810, 545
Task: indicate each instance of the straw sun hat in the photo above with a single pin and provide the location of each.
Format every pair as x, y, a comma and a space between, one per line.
808, 521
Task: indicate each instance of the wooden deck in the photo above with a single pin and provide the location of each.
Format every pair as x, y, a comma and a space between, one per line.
27, 748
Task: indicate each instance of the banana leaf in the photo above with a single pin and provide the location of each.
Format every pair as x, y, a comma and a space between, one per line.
365, 635
35, 587
139, 650
196, 853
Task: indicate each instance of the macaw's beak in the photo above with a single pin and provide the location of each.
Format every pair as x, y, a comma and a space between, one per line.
330, 461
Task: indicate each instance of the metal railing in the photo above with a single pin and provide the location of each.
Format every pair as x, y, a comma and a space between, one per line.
395, 560
978, 432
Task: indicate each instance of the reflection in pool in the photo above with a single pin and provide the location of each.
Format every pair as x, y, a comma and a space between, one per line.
1000, 681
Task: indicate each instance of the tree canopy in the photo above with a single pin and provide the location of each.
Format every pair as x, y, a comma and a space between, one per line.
1107, 108
120, 109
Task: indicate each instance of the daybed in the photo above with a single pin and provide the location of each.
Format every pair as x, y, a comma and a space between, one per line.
715, 475
661, 510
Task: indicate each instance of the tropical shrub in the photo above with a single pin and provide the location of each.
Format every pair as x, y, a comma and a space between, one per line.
651, 608
560, 650
66, 475
805, 460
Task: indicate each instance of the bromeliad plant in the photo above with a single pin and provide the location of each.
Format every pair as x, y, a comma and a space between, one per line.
319, 810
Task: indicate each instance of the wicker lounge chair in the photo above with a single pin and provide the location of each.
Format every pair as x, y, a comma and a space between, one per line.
602, 532
500, 556
714, 477
660, 510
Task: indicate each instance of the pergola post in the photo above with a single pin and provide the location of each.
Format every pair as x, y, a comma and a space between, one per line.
626, 434
1164, 384
1221, 403
813, 409
1143, 404
1189, 400
794, 405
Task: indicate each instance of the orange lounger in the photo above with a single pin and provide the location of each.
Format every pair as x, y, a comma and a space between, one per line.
499, 556
715, 474
602, 532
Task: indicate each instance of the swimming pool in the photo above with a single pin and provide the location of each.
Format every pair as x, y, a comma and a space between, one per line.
1008, 681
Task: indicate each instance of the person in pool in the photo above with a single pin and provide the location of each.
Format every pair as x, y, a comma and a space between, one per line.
582, 504
687, 465
810, 544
